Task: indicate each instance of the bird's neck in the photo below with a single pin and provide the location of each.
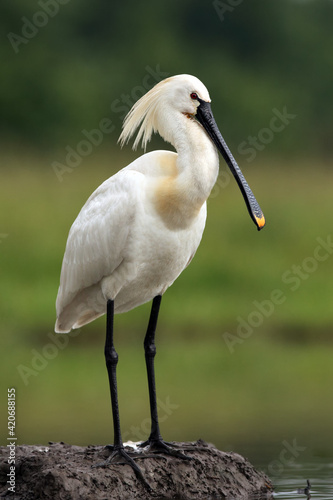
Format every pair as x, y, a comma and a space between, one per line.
179, 196
197, 161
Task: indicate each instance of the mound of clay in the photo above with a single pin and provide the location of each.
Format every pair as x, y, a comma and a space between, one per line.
65, 472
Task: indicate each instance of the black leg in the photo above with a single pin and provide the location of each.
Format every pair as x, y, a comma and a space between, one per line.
111, 359
150, 352
155, 441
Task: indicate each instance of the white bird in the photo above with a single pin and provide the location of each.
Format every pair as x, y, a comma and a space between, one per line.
141, 228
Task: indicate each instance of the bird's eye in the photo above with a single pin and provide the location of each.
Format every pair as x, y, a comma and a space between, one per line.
194, 95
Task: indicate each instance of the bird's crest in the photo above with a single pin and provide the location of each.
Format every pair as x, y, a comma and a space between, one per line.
142, 115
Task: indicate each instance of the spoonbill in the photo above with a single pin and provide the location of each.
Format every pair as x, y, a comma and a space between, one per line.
141, 228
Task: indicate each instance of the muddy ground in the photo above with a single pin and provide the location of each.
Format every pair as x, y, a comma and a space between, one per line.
65, 472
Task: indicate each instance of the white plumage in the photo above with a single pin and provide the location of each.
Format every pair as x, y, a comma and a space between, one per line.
142, 226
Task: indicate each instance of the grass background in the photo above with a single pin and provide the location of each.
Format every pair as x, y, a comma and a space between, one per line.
275, 384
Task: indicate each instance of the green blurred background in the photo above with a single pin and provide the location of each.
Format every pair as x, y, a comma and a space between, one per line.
245, 334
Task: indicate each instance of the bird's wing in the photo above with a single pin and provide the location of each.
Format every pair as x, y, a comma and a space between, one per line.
97, 239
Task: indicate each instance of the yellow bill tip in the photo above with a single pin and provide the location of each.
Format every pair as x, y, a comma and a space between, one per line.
260, 221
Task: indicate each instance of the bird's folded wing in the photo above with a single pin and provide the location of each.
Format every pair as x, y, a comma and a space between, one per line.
98, 238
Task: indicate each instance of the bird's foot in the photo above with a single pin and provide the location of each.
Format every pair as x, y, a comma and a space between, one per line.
158, 445
120, 456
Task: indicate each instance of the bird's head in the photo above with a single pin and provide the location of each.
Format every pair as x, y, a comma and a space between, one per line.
157, 111
183, 94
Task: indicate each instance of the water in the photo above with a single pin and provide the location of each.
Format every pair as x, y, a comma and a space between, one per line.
293, 473
320, 474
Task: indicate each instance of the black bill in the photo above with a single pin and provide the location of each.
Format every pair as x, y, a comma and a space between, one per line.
206, 118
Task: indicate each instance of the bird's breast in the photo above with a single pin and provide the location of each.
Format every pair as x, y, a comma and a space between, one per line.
182, 185
174, 204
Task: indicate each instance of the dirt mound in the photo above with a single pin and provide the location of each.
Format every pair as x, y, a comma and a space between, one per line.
65, 472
